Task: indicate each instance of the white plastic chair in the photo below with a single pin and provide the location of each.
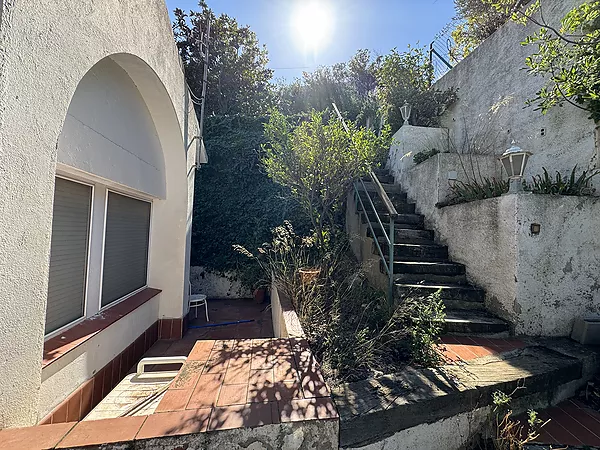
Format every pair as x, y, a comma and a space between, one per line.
197, 300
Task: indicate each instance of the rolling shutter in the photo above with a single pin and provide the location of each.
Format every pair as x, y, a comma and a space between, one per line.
125, 247
68, 253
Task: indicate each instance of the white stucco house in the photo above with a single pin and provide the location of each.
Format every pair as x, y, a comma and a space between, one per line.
97, 165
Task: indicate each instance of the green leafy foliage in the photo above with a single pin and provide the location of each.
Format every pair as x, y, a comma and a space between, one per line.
423, 156
318, 160
463, 192
476, 21
562, 185
569, 61
238, 76
407, 76
235, 201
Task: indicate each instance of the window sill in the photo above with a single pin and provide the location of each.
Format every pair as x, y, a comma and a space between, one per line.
66, 341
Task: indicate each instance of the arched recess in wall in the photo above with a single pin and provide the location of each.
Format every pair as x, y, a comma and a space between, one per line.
121, 132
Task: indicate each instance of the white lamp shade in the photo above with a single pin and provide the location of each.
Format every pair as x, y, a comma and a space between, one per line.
405, 110
515, 162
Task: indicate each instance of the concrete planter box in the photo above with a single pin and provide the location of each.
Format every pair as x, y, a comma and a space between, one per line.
539, 282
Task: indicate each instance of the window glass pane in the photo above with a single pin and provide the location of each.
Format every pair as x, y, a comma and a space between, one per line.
125, 247
68, 253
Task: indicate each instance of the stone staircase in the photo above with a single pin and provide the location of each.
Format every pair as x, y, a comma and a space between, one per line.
421, 266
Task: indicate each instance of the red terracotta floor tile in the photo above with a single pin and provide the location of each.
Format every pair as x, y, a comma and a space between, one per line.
174, 400
201, 351
261, 376
107, 431
556, 430
578, 424
288, 390
313, 384
298, 410
188, 375
175, 423
238, 371
233, 394
247, 416
206, 392
74, 406
284, 368
34, 438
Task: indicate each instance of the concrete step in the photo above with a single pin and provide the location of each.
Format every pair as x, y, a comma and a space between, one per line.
401, 207
416, 252
470, 322
403, 217
429, 268
375, 409
382, 177
389, 188
414, 221
396, 197
406, 235
426, 278
454, 296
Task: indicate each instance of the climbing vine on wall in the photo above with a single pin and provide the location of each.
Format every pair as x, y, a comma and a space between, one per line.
235, 201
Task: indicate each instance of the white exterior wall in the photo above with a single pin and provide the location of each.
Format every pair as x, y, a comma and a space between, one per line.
82, 363
492, 90
44, 57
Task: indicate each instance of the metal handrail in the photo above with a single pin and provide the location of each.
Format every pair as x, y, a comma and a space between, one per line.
388, 235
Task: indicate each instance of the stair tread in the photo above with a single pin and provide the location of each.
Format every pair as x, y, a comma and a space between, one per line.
448, 286
464, 316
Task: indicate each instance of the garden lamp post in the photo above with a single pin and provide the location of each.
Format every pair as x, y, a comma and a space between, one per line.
405, 110
514, 161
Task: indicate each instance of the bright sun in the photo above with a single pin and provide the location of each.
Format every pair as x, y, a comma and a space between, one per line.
313, 24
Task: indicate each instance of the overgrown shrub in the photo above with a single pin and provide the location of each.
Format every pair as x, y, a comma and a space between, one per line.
569, 185
317, 161
351, 327
423, 156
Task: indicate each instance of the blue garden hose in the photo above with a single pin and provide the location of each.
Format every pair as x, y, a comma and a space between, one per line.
210, 325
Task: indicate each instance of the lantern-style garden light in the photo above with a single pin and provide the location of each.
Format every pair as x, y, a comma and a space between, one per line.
405, 110
514, 161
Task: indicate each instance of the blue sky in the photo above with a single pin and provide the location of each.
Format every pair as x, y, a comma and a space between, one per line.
378, 25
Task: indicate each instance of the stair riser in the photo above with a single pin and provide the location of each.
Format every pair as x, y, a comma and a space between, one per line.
429, 269
407, 236
403, 217
417, 253
471, 328
388, 179
467, 298
415, 278
386, 224
401, 208
396, 197
389, 188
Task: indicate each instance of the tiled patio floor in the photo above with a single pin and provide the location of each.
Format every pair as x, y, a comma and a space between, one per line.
466, 348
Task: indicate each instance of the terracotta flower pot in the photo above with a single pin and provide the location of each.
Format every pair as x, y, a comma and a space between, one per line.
259, 295
308, 274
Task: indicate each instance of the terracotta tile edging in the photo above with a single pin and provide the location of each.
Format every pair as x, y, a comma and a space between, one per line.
63, 343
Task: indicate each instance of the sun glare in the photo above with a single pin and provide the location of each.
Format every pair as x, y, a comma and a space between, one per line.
313, 24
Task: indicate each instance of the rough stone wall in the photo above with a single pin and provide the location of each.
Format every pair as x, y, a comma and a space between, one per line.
492, 90
214, 285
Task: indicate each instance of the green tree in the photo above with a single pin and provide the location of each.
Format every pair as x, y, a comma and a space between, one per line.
318, 161
407, 76
238, 77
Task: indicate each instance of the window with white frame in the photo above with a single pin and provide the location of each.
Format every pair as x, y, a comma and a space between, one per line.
68, 253
126, 243
99, 251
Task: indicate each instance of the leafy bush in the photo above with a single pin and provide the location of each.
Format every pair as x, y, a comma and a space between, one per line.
235, 201
423, 156
318, 161
571, 185
407, 76
476, 190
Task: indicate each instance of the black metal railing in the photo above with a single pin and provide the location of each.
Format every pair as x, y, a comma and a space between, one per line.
388, 234
441, 51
